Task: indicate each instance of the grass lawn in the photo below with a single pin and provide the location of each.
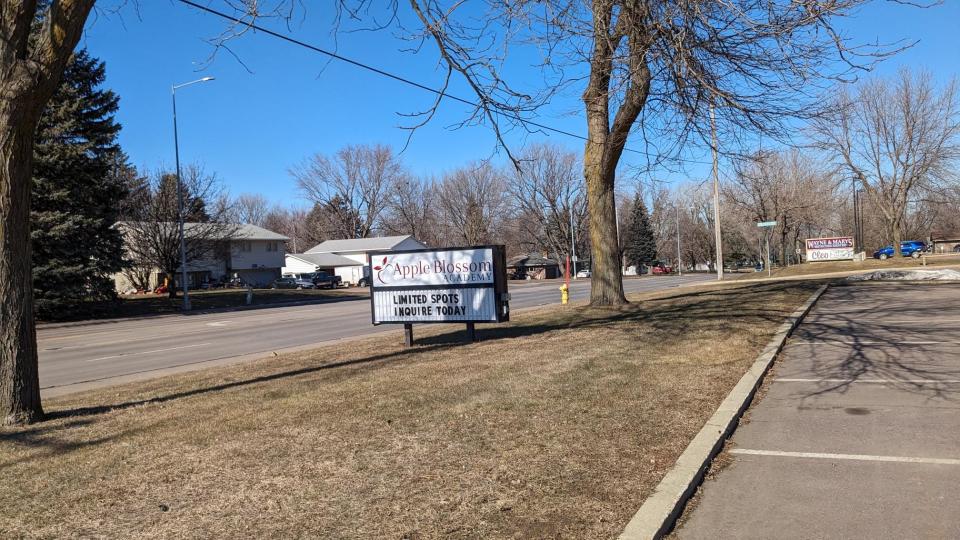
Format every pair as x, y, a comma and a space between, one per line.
557, 424
155, 304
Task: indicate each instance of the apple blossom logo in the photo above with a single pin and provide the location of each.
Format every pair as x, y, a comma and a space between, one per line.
381, 268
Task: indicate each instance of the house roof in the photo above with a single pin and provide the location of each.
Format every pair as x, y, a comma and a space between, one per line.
328, 260
532, 259
252, 232
360, 244
239, 231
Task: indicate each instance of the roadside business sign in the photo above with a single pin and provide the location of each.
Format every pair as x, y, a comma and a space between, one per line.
448, 285
830, 249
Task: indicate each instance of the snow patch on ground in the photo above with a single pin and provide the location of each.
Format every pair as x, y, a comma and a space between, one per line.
945, 274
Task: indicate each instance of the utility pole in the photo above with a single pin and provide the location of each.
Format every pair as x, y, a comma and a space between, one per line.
856, 220
616, 216
679, 266
716, 193
573, 238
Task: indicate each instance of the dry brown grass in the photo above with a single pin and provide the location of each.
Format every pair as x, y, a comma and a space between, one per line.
558, 424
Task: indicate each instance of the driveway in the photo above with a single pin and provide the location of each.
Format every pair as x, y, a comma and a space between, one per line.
83, 355
858, 434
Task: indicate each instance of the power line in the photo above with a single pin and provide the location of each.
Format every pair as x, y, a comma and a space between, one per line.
396, 77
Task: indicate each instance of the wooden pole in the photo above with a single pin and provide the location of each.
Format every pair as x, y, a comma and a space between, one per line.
716, 193
471, 333
407, 335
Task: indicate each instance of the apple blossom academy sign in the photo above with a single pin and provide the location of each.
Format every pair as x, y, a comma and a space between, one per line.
449, 285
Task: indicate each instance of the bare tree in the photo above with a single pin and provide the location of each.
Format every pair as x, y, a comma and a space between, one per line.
548, 198
651, 66
789, 187
353, 184
292, 223
151, 228
36, 41
895, 137
251, 208
412, 209
473, 203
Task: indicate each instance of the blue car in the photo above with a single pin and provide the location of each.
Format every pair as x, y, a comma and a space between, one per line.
909, 248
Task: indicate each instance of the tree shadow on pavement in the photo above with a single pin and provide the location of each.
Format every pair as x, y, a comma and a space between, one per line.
873, 333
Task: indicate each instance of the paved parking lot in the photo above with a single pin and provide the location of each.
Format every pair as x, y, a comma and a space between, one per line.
858, 434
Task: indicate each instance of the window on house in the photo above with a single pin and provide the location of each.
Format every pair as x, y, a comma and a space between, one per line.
271, 246
246, 246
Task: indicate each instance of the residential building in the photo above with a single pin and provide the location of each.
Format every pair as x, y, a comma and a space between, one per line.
945, 242
346, 258
533, 266
247, 254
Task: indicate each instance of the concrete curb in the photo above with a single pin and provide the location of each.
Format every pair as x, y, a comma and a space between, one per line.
659, 512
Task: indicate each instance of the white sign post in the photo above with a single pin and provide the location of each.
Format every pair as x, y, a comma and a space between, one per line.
467, 285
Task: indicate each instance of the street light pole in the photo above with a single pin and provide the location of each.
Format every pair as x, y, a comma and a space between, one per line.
176, 154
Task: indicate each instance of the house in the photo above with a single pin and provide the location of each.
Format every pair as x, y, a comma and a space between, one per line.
299, 263
943, 242
346, 258
533, 266
248, 253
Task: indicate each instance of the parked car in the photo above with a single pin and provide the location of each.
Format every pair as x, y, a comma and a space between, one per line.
325, 280
661, 268
584, 274
365, 281
318, 279
909, 248
292, 283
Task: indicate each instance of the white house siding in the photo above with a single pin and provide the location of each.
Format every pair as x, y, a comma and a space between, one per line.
258, 256
350, 274
294, 265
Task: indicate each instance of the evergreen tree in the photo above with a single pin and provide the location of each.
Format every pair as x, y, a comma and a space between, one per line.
640, 247
78, 185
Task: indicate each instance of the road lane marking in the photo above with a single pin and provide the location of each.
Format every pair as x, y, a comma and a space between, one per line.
849, 457
871, 381
146, 352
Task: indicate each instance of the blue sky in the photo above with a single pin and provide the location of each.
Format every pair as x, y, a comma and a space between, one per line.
251, 127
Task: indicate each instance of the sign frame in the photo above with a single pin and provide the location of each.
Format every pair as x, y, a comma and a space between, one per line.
498, 287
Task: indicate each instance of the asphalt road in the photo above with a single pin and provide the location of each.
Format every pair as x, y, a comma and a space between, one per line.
858, 433
78, 356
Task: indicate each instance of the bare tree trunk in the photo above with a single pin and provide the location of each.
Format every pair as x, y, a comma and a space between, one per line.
606, 286
30, 70
19, 381
896, 235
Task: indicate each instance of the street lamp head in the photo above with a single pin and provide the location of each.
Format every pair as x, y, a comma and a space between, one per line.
205, 79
